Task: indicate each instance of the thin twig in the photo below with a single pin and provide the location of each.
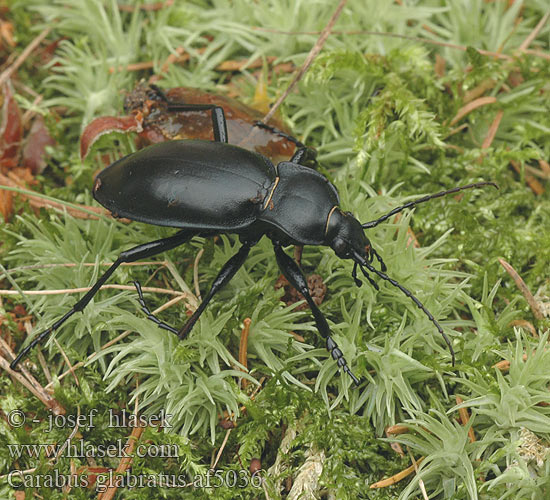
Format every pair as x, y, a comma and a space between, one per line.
196, 273
66, 358
43, 396
6, 74
86, 289
537, 53
87, 264
27, 379
146, 6
309, 59
222, 447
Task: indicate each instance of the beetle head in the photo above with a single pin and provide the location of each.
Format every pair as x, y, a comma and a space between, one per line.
346, 236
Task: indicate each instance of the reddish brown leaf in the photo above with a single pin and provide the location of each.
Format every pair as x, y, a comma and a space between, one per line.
34, 151
11, 129
105, 125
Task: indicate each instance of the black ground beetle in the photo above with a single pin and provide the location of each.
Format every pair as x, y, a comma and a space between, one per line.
211, 187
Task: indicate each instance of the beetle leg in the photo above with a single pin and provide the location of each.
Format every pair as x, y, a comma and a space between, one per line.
219, 124
379, 259
280, 133
358, 282
136, 253
150, 315
296, 278
224, 276
302, 153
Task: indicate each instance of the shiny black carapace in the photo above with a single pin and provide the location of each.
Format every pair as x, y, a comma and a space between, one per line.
210, 187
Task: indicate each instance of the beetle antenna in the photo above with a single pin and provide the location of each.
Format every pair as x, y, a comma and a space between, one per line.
421, 306
410, 204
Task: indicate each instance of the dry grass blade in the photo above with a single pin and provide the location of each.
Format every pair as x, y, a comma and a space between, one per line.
471, 106
533, 304
492, 130
243, 348
465, 418
525, 324
66, 358
535, 185
125, 463
37, 200
525, 44
384, 483
88, 288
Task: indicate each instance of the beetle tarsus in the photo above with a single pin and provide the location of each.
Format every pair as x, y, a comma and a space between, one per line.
338, 356
150, 315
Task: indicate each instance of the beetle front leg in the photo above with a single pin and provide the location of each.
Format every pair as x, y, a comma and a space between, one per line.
225, 275
136, 253
296, 278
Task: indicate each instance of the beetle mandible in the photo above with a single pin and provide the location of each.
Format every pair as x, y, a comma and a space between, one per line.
210, 187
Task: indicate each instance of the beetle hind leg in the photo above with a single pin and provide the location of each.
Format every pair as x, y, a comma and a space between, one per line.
150, 315
140, 252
